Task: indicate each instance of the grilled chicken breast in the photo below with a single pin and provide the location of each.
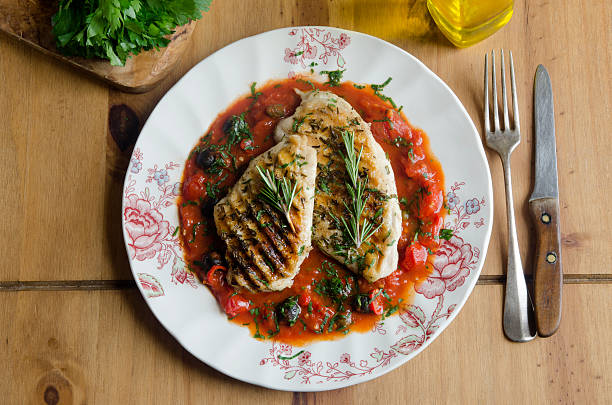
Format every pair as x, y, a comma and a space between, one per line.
322, 118
263, 252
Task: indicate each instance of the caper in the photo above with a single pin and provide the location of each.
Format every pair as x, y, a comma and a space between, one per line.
344, 320
276, 111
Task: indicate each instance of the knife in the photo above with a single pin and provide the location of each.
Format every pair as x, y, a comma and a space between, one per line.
544, 207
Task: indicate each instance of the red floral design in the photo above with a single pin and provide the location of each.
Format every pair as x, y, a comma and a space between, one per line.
344, 41
316, 44
152, 288
290, 56
181, 276
145, 227
452, 264
303, 358
319, 371
149, 234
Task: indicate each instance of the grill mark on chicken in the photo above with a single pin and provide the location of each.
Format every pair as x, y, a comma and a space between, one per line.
272, 232
262, 250
281, 230
241, 259
267, 245
260, 270
239, 280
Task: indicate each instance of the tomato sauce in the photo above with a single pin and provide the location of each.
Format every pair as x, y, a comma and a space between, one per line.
330, 300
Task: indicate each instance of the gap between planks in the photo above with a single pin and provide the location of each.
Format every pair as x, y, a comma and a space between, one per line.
97, 285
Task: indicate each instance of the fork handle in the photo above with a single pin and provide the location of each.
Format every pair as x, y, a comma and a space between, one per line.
548, 272
518, 311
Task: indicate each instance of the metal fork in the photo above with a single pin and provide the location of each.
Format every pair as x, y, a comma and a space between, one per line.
518, 310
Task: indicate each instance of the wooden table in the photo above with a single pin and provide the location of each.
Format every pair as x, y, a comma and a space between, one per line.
74, 330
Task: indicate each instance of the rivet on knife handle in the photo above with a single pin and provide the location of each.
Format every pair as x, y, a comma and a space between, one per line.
548, 272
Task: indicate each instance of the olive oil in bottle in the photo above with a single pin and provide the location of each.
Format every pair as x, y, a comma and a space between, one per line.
465, 22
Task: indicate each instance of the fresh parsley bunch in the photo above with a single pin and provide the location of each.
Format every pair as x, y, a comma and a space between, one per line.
117, 29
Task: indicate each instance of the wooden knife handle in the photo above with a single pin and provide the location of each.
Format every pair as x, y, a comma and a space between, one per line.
548, 272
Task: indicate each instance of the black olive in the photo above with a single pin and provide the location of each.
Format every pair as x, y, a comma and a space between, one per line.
361, 303
227, 125
289, 310
235, 126
210, 259
205, 159
207, 206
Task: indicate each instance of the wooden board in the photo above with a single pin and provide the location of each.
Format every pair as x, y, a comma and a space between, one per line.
30, 22
78, 196
106, 348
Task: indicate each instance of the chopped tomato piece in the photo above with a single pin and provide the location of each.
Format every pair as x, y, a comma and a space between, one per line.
376, 301
430, 231
304, 299
194, 187
235, 305
246, 144
418, 171
416, 254
210, 277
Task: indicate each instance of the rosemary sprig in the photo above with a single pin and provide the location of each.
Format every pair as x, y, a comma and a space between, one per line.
358, 232
279, 193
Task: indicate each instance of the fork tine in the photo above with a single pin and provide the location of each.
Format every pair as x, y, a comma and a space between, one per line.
515, 109
505, 101
487, 122
494, 106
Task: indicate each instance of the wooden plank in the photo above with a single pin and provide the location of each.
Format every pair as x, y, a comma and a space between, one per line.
30, 23
106, 347
52, 169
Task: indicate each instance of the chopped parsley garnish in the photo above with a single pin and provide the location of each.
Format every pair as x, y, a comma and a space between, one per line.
212, 189
255, 313
193, 230
297, 123
379, 87
308, 82
387, 120
400, 141
236, 129
290, 357
446, 234
358, 86
254, 94
333, 77
175, 231
332, 286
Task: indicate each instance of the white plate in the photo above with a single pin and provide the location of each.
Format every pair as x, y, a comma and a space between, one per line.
188, 310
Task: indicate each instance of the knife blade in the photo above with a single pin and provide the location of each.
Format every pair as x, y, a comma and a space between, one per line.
544, 207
